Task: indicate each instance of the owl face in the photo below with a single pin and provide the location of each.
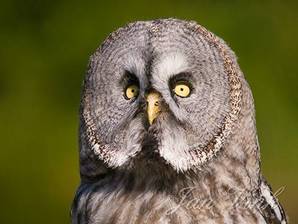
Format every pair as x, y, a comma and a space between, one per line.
160, 89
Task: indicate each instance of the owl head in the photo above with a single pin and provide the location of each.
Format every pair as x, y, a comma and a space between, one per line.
165, 91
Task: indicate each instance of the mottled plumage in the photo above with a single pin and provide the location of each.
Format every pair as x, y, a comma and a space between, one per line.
198, 162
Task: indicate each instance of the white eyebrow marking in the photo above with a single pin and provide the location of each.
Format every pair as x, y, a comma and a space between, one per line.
169, 64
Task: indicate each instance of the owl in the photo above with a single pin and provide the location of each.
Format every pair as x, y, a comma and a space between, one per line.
167, 132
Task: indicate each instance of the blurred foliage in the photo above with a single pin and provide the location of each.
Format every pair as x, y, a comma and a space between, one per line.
45, 47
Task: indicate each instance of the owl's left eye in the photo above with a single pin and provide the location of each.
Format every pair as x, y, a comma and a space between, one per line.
131, 91
182, 89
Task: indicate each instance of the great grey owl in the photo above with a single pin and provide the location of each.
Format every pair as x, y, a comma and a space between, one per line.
167, 132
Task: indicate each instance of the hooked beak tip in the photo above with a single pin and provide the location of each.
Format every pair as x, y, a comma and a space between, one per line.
153, 107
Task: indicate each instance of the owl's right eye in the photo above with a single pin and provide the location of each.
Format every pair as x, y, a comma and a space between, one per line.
131, 91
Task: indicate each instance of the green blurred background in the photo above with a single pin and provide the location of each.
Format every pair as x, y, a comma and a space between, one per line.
44, 51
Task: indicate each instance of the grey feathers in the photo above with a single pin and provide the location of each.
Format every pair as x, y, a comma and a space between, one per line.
198, 162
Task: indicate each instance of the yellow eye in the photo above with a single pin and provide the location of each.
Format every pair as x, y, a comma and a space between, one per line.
131, 91
182, 90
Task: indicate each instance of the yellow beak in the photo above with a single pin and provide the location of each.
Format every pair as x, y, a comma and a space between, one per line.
153, 107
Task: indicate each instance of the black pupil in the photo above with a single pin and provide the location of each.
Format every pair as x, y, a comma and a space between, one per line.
181, 89
132, 90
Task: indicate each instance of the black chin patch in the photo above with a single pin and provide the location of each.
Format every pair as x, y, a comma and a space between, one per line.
150, 144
